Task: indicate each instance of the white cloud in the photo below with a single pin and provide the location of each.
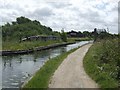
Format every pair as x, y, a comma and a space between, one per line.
68, 14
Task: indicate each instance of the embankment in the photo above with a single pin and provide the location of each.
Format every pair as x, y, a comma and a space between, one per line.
11, 52
101, 63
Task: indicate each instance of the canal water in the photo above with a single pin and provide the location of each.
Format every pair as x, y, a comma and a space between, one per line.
18, 68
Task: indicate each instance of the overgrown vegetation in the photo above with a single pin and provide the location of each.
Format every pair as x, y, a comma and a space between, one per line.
24, 27
102, 63
42, 77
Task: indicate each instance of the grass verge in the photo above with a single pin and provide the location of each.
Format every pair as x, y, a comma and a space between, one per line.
80, 39
42, 77
15, 45
101, 65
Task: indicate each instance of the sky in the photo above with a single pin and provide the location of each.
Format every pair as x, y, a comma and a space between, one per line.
78, 15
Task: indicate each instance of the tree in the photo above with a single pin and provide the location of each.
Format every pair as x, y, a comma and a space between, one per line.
14, 23
86, 34
36, 22
7, 24
22, 20
80, 34
63, 36
49, 29
95, 34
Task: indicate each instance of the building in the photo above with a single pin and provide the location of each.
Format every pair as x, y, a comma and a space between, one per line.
41, 38
72, 34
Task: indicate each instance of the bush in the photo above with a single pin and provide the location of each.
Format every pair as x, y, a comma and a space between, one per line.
101, 63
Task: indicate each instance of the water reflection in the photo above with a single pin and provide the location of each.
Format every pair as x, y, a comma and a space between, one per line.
7, 62
16, 69
20, 60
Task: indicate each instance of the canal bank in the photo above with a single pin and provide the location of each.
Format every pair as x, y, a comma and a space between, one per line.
11, 52
101, 63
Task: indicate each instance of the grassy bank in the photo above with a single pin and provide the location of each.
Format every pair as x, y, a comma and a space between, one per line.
101, 63
80, 39
13, 45
42, 77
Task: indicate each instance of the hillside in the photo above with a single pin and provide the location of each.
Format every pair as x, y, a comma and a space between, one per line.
24, 27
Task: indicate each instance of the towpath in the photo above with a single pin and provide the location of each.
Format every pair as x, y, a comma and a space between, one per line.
71, 74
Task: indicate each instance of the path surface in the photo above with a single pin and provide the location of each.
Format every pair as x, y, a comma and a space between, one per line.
71, 74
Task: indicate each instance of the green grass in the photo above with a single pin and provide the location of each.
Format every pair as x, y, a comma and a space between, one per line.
15, 45
12, 45
79, 39
42, 77
100, 63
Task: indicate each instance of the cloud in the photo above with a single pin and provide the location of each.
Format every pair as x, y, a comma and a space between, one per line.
92, 16
59, 4
44, 12
68, 14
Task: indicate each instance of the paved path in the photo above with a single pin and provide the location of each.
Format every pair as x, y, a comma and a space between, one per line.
71, 74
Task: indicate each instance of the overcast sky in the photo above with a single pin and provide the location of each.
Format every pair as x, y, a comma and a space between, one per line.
79, 15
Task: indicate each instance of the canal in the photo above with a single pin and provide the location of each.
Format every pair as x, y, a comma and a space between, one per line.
18, 68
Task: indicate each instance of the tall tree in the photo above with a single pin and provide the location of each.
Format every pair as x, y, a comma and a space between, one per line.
95, 34
63, 36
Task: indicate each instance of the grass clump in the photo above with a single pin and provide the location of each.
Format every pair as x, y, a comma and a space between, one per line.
42, 77
101, 63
